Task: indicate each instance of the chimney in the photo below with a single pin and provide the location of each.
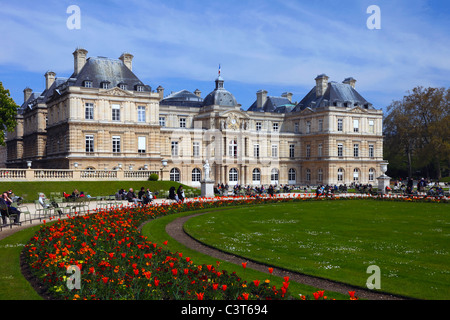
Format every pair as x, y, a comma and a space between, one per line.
198, 93
350, 81
26, 94
287, 95
49, 79
160, 90
321, 84
261, 98
79, 56
127, 59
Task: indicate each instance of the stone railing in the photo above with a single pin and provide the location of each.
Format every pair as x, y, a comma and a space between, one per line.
74, 175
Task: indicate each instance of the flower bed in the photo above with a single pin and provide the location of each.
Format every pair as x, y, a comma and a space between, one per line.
116, 262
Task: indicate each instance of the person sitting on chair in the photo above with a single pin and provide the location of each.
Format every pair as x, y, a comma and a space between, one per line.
8, 210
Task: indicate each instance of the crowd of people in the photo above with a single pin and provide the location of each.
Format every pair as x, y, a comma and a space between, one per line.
423, 187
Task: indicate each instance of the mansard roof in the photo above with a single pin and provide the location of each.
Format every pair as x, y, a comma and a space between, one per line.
101, 69
183, 98
273, 104
336, 94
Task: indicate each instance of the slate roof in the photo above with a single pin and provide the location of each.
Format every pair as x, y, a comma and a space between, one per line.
273, 104
183, 98
337, 94
101, 69
220, 96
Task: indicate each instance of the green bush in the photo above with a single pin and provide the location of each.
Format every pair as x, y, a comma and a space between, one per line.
153, 177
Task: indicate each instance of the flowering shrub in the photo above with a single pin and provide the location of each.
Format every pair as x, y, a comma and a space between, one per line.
117, 262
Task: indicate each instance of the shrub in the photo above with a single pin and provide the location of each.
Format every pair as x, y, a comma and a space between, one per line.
153, 177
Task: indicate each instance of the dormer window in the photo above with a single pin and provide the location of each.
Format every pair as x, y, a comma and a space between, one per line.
105, 85
88, 84
123, 86
139, 88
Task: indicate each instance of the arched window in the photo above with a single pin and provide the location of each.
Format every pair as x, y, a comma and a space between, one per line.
371, 174
340, 174
274, 176
292, 176
196, 175
233, 175
356, 174
256, 176
175, 175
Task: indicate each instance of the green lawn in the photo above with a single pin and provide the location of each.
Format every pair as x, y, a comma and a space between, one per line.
29, 190
339, 240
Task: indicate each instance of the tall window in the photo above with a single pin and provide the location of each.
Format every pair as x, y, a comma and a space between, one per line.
275, 126
356, 150
256, 150
356, 174
292, 176
141, 114
256, 176
340, 174
371, 151
233, 175
340, 150
115, 112
116, 144
274, 151
175, 175
258, 126
196, 149
355, 125
292, 151
142, 143
296, 127
308, 151
320, 125
89, 111
371, 174
308, 175
340, 125
232, 148
308, 126
89, 143
274, 176
319, 150
196, 175
320, 175
182, 122
162, 121
174, 148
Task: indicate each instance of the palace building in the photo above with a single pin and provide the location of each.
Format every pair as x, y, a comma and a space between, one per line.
103, 117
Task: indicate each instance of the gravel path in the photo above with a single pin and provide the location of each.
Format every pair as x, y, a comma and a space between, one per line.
175, 230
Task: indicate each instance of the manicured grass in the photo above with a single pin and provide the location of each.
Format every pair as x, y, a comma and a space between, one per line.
29, 190
339, 240
13, 286
155, 232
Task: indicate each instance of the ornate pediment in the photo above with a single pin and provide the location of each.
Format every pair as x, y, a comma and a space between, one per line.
116, 92
358, 109
234, 120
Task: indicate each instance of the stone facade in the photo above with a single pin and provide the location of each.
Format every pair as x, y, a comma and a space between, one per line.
103, 118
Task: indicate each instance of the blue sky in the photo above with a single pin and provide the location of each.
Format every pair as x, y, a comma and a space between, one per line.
265, 44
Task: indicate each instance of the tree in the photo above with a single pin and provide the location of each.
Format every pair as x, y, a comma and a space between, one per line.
8, 112
417, 131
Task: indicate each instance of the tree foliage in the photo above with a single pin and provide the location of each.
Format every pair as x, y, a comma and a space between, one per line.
417, 131
8, 112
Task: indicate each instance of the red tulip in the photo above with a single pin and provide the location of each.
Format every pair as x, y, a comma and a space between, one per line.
244, 265
256, 282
